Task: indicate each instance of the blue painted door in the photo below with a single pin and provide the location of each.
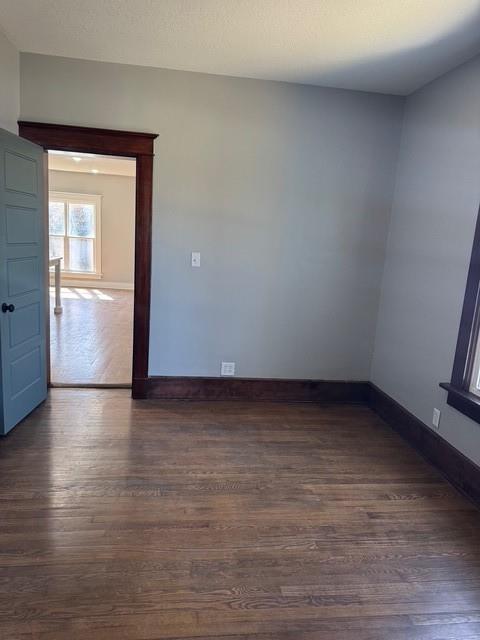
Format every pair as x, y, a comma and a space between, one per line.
23, 280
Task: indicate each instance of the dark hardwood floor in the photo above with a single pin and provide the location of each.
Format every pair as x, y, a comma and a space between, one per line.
124, 520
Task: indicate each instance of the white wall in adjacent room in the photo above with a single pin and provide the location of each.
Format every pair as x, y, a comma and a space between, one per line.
118, 218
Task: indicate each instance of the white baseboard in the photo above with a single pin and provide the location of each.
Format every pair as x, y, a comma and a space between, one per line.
93, 284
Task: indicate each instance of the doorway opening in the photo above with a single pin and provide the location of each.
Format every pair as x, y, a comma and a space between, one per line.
91, 235
120, 144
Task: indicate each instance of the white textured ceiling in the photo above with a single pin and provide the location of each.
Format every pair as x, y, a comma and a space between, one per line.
391, 46
91, 163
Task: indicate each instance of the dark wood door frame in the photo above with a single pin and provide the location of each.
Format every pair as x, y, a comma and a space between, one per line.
140, 147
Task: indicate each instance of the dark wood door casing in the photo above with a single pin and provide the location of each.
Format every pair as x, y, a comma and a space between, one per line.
119, 143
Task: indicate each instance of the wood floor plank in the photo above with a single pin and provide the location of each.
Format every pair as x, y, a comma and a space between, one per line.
91, 341
127, 520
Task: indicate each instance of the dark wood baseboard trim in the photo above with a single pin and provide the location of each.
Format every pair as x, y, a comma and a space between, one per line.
452, 464
256, 389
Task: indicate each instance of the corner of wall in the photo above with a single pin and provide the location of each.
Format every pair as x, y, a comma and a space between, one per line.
387, 237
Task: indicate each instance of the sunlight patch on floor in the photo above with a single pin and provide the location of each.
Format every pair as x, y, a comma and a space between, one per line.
77, 293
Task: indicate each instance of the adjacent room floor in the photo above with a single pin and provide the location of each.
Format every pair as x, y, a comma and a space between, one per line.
144, 520
91, 341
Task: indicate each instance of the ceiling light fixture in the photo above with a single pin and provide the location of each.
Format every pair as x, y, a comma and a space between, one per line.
76, 159
93, 170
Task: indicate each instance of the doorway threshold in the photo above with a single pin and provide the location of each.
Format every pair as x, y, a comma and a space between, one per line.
90, 385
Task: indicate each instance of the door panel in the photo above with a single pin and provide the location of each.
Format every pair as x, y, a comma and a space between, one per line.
25, 371
23, 279
21, 173
24, 324
22, 225
23, 275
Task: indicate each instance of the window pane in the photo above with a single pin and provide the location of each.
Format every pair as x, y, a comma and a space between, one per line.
475, 380
57, 248
81, 254
81, 220
56, 217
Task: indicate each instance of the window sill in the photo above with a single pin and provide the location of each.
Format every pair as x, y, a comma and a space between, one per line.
463, 401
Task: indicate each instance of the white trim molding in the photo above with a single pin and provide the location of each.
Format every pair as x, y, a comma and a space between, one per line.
85, 283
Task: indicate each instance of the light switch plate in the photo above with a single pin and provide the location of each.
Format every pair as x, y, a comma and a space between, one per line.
195, 258
436, 418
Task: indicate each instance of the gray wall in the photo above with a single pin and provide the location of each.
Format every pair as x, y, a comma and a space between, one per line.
118, 218
285, 190
433, 219
9, 85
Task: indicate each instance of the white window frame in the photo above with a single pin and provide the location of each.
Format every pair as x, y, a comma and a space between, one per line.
474, 386
81, 198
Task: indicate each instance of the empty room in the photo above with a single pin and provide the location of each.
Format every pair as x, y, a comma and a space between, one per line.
240, 327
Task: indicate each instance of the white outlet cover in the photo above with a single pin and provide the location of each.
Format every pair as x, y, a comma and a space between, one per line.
436, 418
195, 258
227, 369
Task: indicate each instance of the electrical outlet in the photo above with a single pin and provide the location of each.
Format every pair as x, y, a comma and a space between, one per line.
228, 369
436, 418
195, 258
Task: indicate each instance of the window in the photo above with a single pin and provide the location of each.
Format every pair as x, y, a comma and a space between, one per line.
74, 232
464, 387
